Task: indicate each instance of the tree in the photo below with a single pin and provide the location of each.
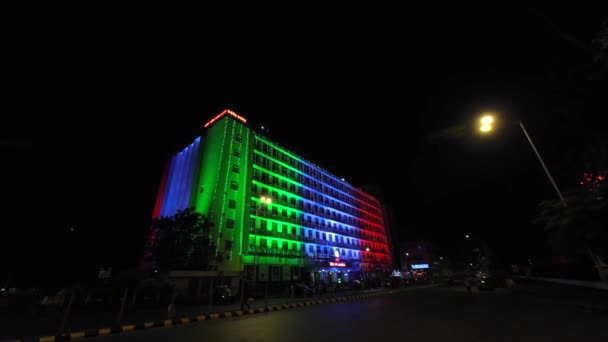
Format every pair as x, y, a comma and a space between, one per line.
582, 227
182, 241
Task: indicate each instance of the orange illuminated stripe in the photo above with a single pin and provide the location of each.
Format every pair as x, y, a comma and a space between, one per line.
226, 111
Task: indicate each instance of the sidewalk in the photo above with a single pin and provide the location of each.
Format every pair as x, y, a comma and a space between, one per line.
568, 292
24, 326
590, 284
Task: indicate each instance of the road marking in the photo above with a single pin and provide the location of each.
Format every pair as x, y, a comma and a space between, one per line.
76, 334
104, 331
129, 327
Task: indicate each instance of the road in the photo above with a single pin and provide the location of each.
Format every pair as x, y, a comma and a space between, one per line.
439, 313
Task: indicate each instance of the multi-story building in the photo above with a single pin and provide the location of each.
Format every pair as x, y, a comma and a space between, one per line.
274, 214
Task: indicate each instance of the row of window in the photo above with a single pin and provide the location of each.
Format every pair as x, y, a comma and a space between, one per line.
306, 180
345, 204
315, 172
309, 212
294, 246
361, 240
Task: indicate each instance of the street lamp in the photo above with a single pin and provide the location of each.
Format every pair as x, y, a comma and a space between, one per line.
267, 201
486, 125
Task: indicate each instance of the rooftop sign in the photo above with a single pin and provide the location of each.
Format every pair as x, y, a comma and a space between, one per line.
225, 112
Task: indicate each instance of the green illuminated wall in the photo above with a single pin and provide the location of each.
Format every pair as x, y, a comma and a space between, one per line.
223, 182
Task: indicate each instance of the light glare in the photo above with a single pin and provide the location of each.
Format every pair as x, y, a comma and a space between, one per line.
485, 128
487, 120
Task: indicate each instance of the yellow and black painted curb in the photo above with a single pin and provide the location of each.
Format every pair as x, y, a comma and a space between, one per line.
75, 335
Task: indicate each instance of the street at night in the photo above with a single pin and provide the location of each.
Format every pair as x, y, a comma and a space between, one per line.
436, 313
305, 172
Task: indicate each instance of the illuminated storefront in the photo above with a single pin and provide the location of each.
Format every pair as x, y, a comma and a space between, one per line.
275, 215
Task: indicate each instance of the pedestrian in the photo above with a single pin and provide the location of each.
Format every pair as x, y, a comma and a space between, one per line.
468, 284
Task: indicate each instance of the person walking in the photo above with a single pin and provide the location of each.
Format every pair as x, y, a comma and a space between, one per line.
469, 285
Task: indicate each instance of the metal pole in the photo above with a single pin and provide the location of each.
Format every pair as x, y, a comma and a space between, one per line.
242, 290
210, 294
255, 253
266, 290
540, 159
123, 303
68, 310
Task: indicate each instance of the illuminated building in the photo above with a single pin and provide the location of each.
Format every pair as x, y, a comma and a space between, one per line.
274, 214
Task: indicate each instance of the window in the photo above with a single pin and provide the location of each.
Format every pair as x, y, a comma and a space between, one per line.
230, 223
227, 245
238, 137
234, 185
237, 152
231, 204
235, 168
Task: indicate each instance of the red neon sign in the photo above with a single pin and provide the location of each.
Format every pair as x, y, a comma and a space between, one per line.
337, 264
226, 111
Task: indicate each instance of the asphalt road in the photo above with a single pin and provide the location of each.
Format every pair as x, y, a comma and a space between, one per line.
424, 314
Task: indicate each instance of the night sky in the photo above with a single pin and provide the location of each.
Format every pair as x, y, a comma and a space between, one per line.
101, 99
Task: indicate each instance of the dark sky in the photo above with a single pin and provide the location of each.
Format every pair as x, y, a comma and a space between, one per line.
100, 98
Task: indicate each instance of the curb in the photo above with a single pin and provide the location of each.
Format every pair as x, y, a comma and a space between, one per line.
185, 320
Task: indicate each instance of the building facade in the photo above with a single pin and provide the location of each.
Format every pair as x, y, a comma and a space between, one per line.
275, 215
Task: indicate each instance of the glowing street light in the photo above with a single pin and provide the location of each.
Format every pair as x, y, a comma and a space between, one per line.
486, 123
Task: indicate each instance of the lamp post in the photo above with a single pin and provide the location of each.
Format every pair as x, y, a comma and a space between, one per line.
486, 125
267, 201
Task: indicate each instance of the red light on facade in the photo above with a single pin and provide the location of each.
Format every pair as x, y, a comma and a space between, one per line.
600, 178
225, 112
337, 264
